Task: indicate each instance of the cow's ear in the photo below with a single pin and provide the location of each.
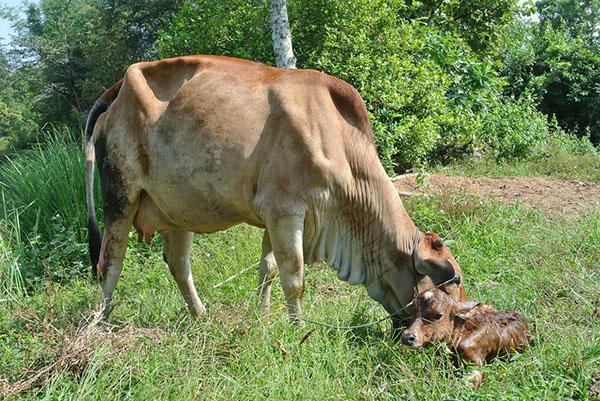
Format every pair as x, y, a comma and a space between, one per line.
462, 309
439, 270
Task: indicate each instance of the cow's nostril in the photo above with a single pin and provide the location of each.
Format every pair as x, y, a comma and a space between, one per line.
407, 339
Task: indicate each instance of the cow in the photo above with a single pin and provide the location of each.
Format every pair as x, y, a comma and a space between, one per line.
197, 144
474, 331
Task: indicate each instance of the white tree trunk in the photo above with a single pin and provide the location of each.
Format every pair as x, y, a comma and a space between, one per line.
282, 38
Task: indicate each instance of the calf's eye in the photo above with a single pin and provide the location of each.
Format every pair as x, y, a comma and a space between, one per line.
437, 316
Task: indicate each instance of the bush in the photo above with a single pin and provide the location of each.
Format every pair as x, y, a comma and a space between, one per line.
513, 130
431, 97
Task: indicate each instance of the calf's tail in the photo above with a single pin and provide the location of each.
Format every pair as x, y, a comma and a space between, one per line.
99, 107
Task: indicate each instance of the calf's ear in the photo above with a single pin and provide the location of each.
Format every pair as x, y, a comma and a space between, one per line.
462, 309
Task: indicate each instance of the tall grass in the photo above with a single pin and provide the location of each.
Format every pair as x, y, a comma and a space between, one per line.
12, 286
45, 182
43, 208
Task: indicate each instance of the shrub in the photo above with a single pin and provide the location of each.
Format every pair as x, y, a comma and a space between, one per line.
513, 129
431, 97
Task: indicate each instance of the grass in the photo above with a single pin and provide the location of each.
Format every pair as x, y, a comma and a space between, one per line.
43, 211
545, 267
511, 257
556, 163
44, 185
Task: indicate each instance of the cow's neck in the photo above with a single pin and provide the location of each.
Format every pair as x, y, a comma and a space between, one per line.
361, 228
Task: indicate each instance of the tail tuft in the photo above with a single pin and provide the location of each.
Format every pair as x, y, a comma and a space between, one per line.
95, 241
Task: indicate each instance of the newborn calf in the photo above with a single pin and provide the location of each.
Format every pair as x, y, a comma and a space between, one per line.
474, 331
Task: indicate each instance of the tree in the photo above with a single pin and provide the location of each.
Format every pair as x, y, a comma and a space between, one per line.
282, 38
556, 61
75, 49
581, 17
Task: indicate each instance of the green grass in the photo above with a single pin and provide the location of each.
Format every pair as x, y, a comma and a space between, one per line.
43, 212
44, 186
557, 164
545, 267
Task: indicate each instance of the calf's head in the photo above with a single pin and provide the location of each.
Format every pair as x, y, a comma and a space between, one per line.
434, 318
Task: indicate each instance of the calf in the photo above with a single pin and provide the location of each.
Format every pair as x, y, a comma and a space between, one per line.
474, 331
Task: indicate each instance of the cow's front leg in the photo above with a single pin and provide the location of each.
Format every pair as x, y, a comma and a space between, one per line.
176, 250
286, 238
268, 271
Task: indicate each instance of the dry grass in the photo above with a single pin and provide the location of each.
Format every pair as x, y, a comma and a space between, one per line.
77, 350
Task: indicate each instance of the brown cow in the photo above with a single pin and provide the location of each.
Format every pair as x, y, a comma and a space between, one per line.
474, 331
198, 144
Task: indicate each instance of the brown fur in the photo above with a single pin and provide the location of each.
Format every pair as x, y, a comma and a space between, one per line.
476, 332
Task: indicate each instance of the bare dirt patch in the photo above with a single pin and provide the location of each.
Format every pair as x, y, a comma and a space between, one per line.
555, 196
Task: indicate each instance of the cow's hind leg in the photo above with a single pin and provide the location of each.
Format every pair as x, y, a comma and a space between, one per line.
120, 204
285, 233
268, 271
112, 253
177, 245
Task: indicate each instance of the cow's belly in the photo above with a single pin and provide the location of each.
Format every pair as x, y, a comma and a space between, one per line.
192, 207
196, 194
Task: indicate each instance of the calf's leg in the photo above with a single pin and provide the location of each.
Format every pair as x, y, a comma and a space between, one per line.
176, 250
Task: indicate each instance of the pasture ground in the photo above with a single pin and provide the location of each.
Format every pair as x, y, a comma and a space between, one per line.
541, 263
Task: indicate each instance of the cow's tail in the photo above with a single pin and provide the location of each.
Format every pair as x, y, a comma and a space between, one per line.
99, 107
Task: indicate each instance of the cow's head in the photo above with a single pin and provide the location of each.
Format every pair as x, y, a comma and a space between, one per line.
431, 265
435, 266
434, 318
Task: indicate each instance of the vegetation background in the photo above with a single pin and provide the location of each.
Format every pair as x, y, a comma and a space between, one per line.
491, 83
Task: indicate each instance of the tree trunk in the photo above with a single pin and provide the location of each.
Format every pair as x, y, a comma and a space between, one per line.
282, 38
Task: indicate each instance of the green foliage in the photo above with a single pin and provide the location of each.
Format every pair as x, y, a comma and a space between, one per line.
66, 53
479, 22
513, 130
386, 61
580, 17
557, 63
238, 28
43, 200
559, 154
18, 119
567, 81
440, 79
429, 93
12, 286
